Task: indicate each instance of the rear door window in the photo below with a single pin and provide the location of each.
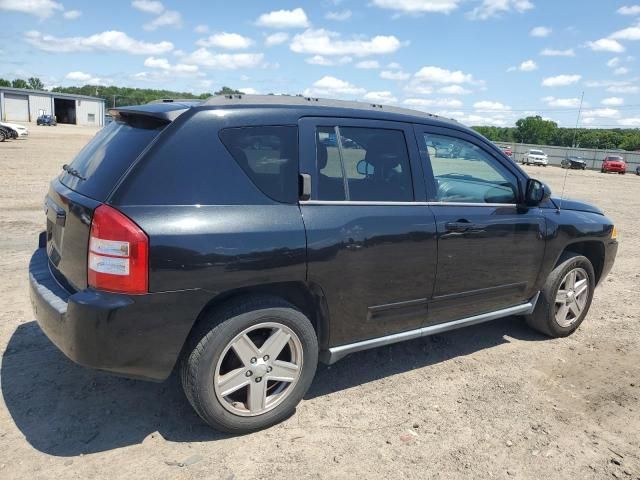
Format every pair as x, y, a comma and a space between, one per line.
269, 157
101, 163
363, 164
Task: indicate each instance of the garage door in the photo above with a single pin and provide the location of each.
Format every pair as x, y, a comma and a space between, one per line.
16, 107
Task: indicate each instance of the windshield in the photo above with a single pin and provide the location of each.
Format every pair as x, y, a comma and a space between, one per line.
536, 152
100, 164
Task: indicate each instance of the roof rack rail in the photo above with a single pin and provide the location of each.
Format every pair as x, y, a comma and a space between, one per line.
302, 100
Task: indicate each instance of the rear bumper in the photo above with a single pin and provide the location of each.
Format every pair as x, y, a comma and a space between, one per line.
137, 336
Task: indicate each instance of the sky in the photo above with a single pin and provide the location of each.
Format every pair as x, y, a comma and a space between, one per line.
482, 62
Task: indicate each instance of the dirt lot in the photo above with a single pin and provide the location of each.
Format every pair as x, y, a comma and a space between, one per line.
492, 401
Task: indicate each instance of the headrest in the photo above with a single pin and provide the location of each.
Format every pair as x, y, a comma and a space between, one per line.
321, 155
384, 152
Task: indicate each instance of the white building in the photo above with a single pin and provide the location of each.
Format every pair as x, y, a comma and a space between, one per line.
22, 105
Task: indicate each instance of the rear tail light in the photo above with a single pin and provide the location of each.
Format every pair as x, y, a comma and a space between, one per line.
118, 253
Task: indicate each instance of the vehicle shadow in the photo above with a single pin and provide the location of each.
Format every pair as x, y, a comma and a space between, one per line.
65, 410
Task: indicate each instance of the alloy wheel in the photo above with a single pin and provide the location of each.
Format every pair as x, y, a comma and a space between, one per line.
258, 369
571, 297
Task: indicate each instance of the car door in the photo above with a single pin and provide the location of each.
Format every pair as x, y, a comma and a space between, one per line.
490, 246
371, 238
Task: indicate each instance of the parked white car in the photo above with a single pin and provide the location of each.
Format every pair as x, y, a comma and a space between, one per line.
22, 131
535, 157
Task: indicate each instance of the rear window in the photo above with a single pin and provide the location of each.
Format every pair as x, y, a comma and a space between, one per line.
269, 157
101, 163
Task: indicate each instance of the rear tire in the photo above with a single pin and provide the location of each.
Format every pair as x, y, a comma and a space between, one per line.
562, 307
235, 394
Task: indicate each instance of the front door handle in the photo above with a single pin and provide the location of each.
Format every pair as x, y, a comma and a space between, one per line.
460, 226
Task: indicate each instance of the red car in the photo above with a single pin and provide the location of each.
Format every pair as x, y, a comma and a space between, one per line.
614, 163
507, 151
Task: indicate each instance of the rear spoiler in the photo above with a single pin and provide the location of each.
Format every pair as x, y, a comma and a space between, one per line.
164, 112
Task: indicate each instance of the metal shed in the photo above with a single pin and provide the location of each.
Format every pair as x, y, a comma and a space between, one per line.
23, 105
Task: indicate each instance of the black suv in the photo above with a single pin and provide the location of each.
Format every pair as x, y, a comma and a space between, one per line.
244, 238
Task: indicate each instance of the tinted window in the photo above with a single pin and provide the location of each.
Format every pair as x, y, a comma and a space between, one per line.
330, 174
269, 156
374, 162
466, 173
104, 159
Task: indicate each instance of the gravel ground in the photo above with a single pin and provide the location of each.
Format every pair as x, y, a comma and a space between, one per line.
491, 401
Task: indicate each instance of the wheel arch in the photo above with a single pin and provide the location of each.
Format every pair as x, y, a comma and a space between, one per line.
594, 250
307, 297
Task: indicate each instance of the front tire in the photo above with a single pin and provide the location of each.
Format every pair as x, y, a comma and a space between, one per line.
249, 364
566, 297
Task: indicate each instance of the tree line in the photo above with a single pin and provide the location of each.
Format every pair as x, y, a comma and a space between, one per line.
538, 131
115, 96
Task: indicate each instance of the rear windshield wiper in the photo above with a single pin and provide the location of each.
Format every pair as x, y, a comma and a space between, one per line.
72, 171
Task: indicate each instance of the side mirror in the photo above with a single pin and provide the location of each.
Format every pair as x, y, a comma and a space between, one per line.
536, 192
364, 168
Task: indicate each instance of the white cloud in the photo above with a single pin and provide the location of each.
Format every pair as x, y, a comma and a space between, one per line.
163, 64
614, 62
106, 41
432, 74
39, 8
433, 102
276, 39
561, 80
368, 64
380, 97
630, 122
148, 6
550, 52
169, 18
295, 18
327, 43
601, 113
327, 62
540, 32
394, 75
230, 41
621, 71
631, 33
394, 65
249, 91
606, 45
526, 66
629, 10
201, 29
418, 6
86, 79
454, 90
623, 89
340, 16
487, 105
612, 101
332, 86
72, 14
562, 102
494, 8
224, 61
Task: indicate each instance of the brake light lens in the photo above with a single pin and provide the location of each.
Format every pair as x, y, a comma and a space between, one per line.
118, 253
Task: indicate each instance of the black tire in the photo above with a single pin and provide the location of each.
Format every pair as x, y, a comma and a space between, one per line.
638, 171
209, 340
543, 317
622, 173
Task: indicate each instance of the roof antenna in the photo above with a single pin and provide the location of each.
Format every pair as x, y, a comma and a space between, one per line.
573, 145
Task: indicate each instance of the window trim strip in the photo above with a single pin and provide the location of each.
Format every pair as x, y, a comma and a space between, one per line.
385, 203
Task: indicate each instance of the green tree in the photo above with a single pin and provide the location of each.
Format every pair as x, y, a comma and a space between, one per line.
35, 83
535, 130
227, 91
19, 83
4, 83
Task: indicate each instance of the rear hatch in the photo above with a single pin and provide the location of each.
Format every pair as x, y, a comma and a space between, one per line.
88, 181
